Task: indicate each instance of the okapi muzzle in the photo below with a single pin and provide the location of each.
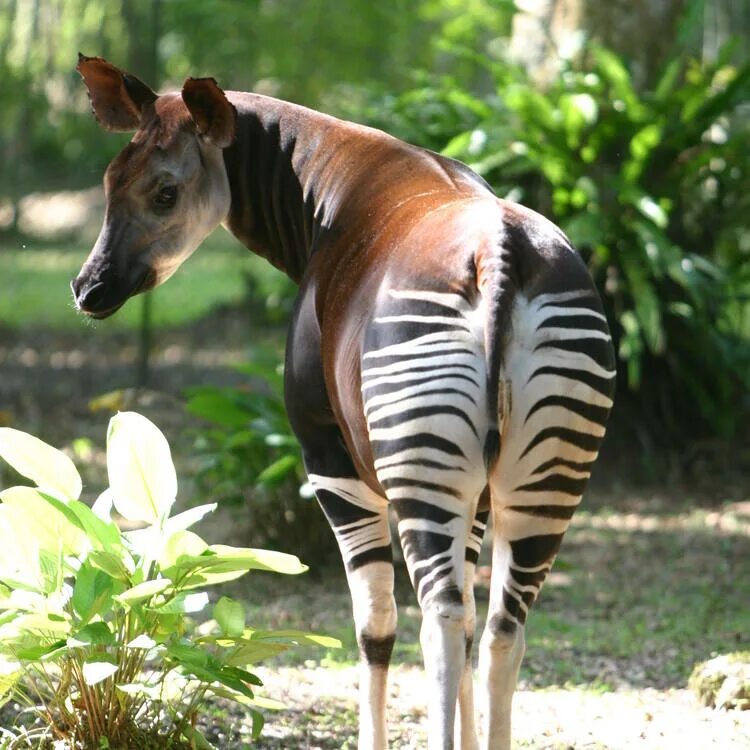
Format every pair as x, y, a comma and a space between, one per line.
165, 191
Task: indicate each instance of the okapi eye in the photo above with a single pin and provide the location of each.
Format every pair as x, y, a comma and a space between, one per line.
166, 197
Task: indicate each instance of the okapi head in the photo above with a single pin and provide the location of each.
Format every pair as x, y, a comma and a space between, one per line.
165, 191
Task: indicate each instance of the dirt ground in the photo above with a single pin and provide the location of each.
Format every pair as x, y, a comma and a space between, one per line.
46, 383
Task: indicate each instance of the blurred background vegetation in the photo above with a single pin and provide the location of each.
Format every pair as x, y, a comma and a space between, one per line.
627, 123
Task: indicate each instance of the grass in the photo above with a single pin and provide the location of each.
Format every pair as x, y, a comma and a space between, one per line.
36, 291
635, 601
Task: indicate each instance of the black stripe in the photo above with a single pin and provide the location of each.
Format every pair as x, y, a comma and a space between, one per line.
557, 461
603, 385
439, 577
421, 462
580, 321
576, 301
513, 606
561, 483
421, 394
592, 412
471, 556
500, 625
581, 440
389, 387
535, 550
394, 420
376, 651
420, 573
385, 360
599, 350
424, 544
562, 512
413, 306
390, 447
410, 508
529, 579
339, 511
426, 368
376, 554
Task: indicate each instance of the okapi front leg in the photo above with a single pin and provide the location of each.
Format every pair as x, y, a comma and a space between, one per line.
359, 519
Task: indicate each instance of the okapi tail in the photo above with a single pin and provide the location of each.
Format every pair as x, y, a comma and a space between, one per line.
497, 283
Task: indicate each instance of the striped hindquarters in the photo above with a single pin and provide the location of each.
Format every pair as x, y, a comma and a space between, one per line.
560, 367
424, 391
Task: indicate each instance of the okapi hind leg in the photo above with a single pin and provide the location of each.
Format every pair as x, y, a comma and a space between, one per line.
423, 377
359, 519
466, 729
560, 369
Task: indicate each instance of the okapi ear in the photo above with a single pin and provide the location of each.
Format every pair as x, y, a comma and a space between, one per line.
214, 115
117, 98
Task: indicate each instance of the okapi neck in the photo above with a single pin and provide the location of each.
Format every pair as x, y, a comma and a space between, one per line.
283, 186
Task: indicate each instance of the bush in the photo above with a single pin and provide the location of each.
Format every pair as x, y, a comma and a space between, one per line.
249, 456
96, 630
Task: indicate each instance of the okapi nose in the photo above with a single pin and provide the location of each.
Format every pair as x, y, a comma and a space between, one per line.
87, 297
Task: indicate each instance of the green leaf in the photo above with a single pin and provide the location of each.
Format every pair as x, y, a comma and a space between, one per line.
95, 672
143, 591
95, 634
50, 469
112, 564
298, 637
141, 473
230, 615
183, 603
20, 551
252, 652
50, 528
246, 558
180, 546
196, 738
142, 641
102, 534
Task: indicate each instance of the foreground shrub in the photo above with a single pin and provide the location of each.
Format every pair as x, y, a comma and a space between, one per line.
96, 626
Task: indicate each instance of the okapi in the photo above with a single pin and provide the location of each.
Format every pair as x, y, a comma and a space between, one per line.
447, 357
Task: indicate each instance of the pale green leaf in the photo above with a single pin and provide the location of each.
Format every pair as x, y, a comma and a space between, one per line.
143, 641
181, 545
95, 634
97, 671
145, 590
50, 469
196, 739
183, 603
141, 473
50, 528
230, 615
255, 559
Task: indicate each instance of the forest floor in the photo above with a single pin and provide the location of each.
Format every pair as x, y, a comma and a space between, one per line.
652, 579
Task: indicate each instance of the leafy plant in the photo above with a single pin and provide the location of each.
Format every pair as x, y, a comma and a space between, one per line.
249, 455
96, 628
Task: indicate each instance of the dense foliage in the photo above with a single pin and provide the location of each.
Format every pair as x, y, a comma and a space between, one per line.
97, 634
